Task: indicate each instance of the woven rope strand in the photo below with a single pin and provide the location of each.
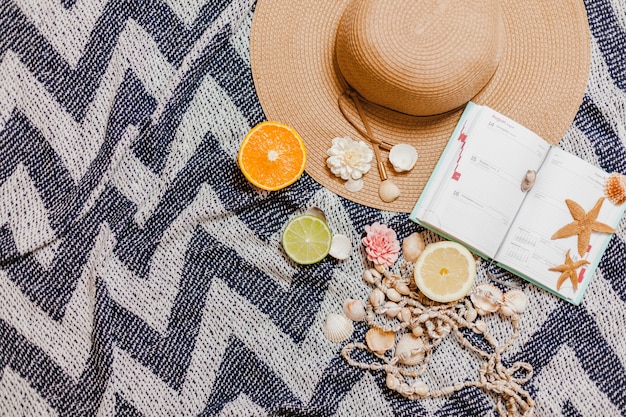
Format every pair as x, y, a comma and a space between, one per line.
434, 322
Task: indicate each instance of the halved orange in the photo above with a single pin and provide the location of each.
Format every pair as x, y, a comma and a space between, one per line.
272, 155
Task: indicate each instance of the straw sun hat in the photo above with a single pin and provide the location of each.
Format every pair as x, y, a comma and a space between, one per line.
414, 65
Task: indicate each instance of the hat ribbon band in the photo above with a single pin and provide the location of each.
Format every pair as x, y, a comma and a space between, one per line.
367, 134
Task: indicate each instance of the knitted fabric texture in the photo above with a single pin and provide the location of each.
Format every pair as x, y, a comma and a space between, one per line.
141, 274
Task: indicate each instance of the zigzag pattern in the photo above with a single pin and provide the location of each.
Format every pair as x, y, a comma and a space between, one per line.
145, 276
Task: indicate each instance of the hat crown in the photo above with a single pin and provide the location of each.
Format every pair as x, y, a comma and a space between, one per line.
419, 57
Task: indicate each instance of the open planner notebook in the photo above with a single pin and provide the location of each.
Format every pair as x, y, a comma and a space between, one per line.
474, 196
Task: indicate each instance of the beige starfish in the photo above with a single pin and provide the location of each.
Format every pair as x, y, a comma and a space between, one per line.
568, 270
583, 225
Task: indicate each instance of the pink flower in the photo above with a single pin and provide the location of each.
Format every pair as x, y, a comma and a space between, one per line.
381, 244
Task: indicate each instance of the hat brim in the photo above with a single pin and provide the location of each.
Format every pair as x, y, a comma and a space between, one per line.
539, 82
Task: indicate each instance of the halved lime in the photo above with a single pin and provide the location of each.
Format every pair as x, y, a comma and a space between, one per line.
306, 239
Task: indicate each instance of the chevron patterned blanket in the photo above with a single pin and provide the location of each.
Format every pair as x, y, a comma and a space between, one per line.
141, 275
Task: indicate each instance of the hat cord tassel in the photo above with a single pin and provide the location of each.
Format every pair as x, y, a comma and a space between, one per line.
376, 143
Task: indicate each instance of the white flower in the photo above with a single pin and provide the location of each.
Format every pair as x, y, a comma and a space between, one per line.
349, 159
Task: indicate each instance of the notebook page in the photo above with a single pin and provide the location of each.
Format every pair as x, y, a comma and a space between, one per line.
528, 248
480, 194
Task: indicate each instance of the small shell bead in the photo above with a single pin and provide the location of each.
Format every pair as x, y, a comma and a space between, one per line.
394, 295
420, 388
392, 382
377, 298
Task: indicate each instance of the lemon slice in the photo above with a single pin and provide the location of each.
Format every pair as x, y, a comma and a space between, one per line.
306, 239
445, 271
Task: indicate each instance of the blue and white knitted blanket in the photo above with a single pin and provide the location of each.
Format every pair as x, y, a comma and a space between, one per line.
141, 275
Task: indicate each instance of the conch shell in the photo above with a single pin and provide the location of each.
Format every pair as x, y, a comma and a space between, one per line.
410, 349
615, 188
379, 341
337, 327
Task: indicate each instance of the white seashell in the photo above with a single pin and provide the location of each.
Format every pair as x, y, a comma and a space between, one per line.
387, 282
380, 268
418, 331
354, 309
317, 212
354, 186
420, 388
337, 327
369, 277
506, 310
516, 300
388, 191
379, 341
405, 390
391, 309
412, 246
377, 298
486, 298
423, 318
410, 349
480, 326
394, 295
470, 314
405, 314
529, 180
392, 382
403, 157
340, 247
375, 272
402, 288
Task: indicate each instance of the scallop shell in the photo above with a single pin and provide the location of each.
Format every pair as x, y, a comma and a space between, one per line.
354, 309
354, 186
338, 327
486, 298
340, 247
403, 157
615, 188
412, 246
410, 349
516, 300
379, 341
388, 191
